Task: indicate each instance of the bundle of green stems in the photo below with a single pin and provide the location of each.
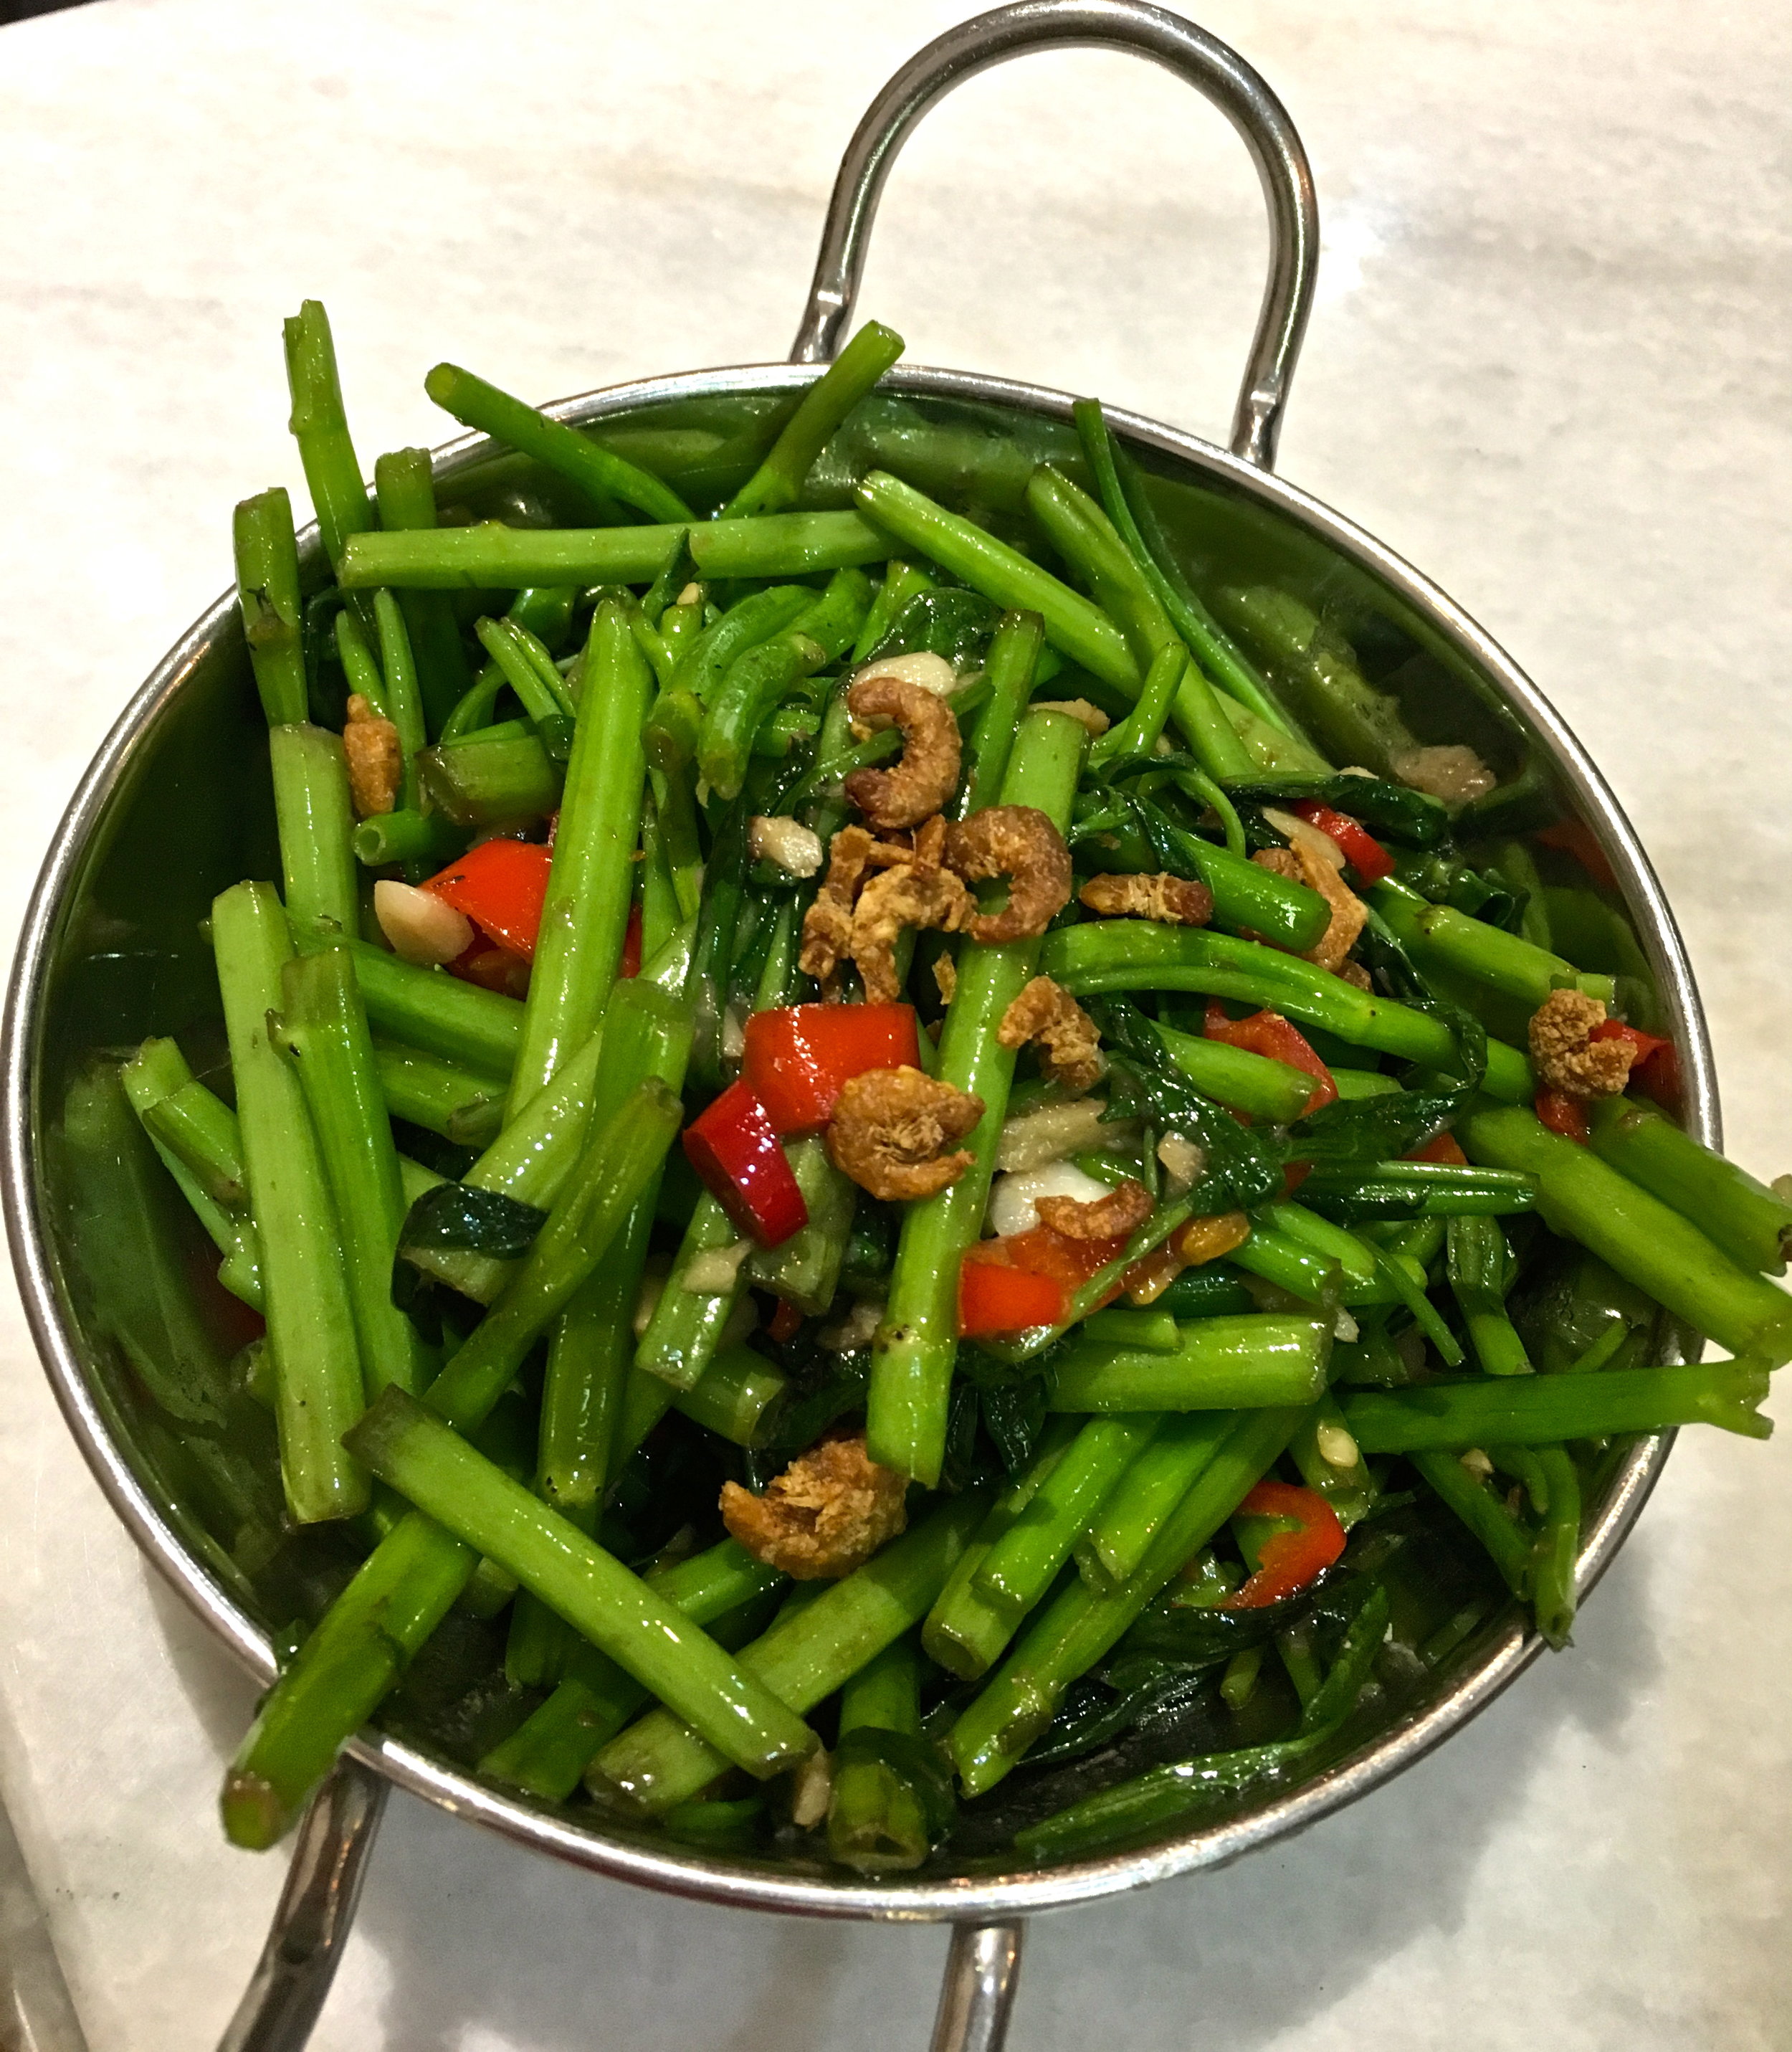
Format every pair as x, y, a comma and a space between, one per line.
1363, 1345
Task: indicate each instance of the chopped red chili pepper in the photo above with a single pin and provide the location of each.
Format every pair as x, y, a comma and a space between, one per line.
733, 1148
492, 968
1574, 838
1287, 1561
800, 1057
1658, 1076
500, 886
1357, 845
1654, 1063
1152, 1274
993, 1297
1445, 1148
1563, 1114
630, 964
1644, 1045
1269, 1033
786, 1322
1044, 1252
1046, 1256
1292, 1176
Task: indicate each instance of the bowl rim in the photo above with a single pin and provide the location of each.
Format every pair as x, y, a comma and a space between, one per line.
661, 1865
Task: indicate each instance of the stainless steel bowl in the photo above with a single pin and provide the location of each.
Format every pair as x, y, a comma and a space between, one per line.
176, 805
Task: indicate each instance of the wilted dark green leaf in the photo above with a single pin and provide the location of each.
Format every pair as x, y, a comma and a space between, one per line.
956, 624
457, 1215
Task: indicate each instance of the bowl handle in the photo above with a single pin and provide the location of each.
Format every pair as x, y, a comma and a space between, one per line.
1191, 53
978, 1993
316, 1907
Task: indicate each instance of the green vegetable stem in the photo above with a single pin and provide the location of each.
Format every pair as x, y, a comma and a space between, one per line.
1582, 1196
1538, 1410
310, 1310
425, 1460
548, 1753
333, 474
916, 1346
1742, 1218
778, 480
405, 490
488, 555
316, 820
891, 1799
591, 879
1222, 1365
324, 1033
803, 1659
267, 597
579, 458
1073, 1630
1074, 625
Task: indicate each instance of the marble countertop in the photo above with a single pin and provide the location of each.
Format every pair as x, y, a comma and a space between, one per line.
1549, 363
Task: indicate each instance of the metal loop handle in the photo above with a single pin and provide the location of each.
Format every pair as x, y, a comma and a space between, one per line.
304, 1945
1207, 65
311, 1923
982, 1968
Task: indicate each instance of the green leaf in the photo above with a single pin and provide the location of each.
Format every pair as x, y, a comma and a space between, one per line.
799, 1420
1199, 1637
1093, 1715
1244, 1164
457, 1215
1394, 809
1014, 1414
1337, 1694
1384, 1128
1441, 878
956, 624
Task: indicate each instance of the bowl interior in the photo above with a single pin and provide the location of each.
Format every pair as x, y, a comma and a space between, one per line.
118, 1276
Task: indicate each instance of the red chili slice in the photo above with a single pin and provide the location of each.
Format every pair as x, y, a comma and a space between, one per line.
492, 968
993, 1297
1563, 1114
1357, 845
500, 886
799, 1058
1654, 1063
1574, 838
733, 1148
1445, 1148
1269, 1033
1287, 1561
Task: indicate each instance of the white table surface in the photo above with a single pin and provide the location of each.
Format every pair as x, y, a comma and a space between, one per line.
1549, 363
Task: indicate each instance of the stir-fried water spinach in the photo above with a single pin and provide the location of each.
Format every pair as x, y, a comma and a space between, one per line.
890, 1212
